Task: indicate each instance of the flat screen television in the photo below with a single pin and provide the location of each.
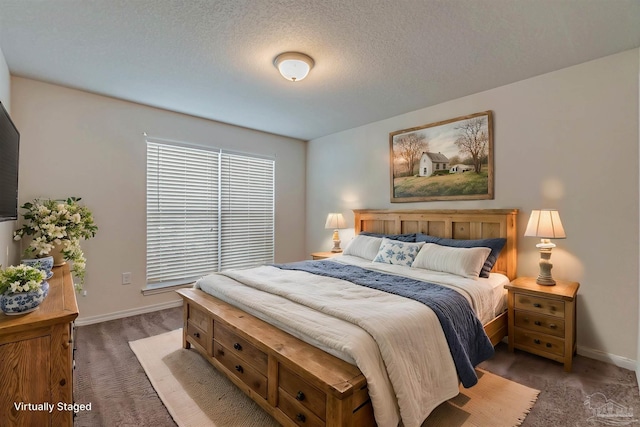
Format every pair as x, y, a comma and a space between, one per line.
9, 151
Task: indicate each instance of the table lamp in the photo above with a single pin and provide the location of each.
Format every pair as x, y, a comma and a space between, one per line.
335, 221
546, 224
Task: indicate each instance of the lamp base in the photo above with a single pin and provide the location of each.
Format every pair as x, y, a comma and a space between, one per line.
336, 242
545, 281
544, 278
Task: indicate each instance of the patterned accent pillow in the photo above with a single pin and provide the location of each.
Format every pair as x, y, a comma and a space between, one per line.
396, 252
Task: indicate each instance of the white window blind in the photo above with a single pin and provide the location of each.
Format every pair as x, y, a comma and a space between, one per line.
207, 210
247, 211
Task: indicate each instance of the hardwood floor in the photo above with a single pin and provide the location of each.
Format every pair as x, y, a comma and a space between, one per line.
109, 376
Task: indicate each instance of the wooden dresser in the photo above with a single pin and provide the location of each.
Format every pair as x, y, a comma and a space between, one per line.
36, 357
542, 319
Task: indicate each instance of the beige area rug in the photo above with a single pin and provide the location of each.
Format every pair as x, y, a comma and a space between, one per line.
196, 394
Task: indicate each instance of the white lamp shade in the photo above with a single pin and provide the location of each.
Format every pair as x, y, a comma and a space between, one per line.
335, 221
293, 66
546, 224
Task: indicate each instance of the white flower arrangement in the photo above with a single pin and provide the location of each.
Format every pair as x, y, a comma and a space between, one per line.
58, 222
21, 278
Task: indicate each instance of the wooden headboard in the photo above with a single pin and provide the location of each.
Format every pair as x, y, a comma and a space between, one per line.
452, 224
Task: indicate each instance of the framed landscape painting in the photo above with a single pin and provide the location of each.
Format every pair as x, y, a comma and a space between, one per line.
448, 160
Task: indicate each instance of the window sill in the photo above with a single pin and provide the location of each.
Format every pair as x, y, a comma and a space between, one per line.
164, 289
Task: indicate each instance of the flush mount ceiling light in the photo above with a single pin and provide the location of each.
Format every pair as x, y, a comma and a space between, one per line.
293, 66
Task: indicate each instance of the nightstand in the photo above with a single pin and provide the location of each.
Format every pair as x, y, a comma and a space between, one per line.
542, 319
324, 255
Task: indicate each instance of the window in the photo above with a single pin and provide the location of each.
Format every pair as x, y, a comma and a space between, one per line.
207, 210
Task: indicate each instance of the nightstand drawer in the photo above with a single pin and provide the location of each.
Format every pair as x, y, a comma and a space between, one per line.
550, 307
540, 323
540, 342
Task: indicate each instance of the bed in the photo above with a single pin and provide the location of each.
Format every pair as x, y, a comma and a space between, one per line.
334, 377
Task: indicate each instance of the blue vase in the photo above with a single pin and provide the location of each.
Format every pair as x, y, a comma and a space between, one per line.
45, 263
23, 302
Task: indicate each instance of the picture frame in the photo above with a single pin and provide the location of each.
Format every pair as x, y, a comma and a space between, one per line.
447, 160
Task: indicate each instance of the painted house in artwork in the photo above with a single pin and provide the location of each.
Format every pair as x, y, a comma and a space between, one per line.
433, 162
460, 168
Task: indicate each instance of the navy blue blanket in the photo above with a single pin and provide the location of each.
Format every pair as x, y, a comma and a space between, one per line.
468, 343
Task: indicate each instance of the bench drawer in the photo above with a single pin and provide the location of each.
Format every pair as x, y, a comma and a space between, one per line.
199, 318
298, 413
240, 347
238, 367
303, 392
198, 335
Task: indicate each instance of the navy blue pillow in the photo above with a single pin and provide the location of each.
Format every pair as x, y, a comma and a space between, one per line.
410, 237
495, 245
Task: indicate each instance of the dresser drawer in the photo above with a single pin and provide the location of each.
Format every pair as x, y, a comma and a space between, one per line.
300, 415
303, 392
249, 375
540, 323
550, 307
199, 319
538, 341
240, 347
198, 335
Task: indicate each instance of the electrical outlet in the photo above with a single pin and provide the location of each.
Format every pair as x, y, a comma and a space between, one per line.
126, 278
84, 293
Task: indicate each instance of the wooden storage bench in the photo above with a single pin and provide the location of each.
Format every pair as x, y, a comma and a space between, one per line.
298, 384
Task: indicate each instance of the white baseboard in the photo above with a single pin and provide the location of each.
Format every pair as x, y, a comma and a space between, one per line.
616, 360
127, 313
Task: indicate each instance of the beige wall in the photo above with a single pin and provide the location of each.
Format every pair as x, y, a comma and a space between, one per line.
565, 140
8, 251
79, 144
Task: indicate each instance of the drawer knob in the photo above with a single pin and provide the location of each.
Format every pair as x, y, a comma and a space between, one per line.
537, 341
537, 323
553, 325
237, 346
239, 368
300, 396
549, 344
221, 352
535, 304
196, 334
301, 418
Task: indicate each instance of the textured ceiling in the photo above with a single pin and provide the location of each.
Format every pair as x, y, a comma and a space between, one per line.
374, 59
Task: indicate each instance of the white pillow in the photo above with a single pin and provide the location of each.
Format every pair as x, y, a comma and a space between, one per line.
397, 252
363, 246
465, 262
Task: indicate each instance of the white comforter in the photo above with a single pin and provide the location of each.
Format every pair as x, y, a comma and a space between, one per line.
397, 343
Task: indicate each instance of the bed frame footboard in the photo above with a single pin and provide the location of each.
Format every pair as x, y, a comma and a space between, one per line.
298, 384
